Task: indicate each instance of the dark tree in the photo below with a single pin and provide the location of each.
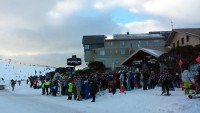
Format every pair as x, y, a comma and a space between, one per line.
188, 54
81, 72
97, 66
61, 70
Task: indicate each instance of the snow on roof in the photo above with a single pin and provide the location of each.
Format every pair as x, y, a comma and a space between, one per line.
155, 53
152, 52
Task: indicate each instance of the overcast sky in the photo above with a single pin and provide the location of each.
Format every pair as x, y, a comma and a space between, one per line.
47, 32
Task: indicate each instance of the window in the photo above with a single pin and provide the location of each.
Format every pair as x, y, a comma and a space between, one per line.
182, 41
110, 43
111, 51
174, 45
178, 43
116, 51
156, 41
130, 45
116, 62
122, 43
102, 52
138, 44
145, 43
87, 47
187, 38
123, 51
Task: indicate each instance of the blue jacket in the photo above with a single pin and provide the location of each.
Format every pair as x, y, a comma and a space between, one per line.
131, 76
86, 86
78, 84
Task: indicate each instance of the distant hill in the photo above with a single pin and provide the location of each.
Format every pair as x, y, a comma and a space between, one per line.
18, 72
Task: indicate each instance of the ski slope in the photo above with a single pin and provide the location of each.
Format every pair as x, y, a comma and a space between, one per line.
20, 72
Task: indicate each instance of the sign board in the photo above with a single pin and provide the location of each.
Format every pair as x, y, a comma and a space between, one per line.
74, 61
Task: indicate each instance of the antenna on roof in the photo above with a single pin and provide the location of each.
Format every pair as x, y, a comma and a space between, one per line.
172, 24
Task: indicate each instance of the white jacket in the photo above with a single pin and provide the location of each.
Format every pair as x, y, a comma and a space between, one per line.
187, 76
121, 78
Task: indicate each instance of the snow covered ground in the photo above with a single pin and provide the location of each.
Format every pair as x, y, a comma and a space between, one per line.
28, 100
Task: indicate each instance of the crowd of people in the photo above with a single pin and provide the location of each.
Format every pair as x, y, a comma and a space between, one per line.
86, 86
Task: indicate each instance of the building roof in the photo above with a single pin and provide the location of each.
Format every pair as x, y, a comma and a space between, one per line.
138, 55
194, 32
136, 36
93, 39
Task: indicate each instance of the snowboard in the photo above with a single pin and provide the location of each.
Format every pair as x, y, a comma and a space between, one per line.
193, 96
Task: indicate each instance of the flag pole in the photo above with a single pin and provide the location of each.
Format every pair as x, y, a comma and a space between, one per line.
181, 69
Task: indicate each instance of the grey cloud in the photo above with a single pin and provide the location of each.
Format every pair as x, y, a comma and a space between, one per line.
50, 59
54, 42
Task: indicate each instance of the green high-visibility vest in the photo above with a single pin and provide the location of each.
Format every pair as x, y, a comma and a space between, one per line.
70, 87
47, 83
43, 84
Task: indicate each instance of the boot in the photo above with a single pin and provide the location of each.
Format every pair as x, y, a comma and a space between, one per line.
168, 94
162, 92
